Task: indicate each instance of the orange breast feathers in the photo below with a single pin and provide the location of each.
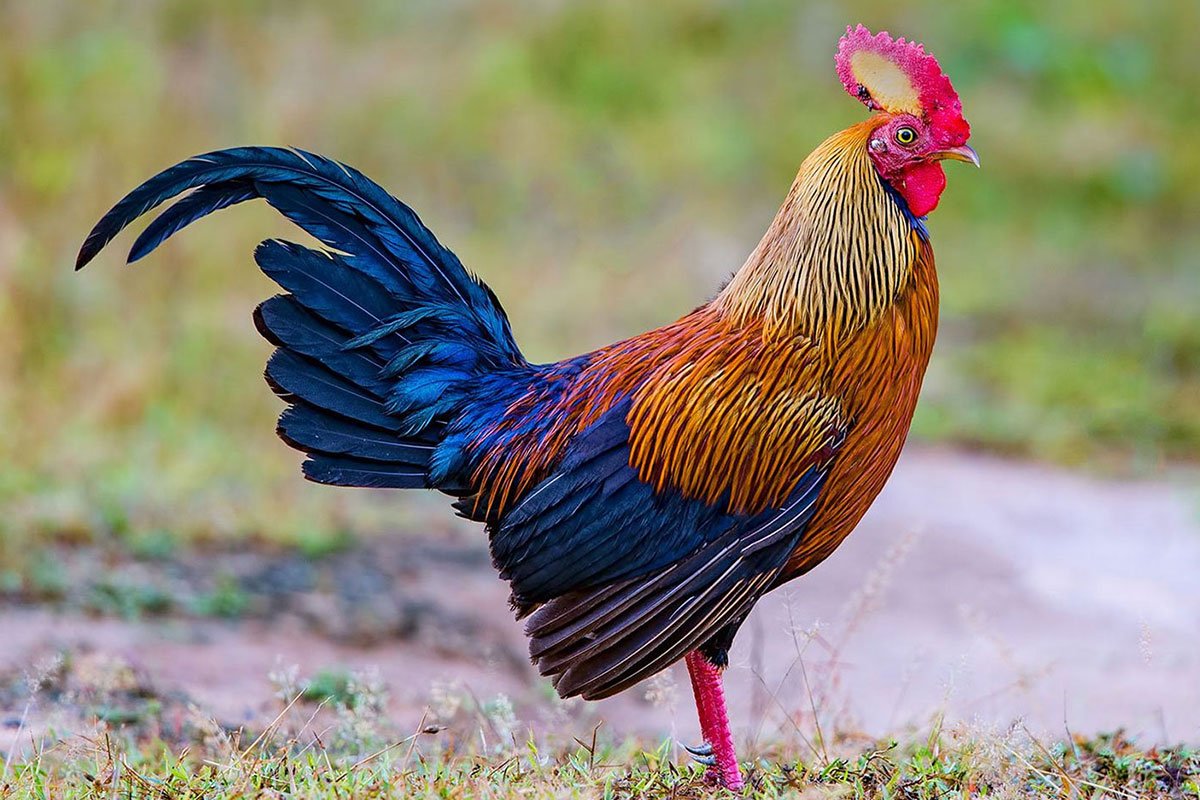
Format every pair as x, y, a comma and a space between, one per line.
878, 376
733, 415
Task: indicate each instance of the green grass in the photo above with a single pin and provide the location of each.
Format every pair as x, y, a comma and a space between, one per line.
104, 767
603, 166
95, 726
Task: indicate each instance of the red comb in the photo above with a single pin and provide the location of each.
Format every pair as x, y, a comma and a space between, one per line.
899, 77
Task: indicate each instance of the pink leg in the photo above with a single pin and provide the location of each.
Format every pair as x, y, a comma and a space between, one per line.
714, 722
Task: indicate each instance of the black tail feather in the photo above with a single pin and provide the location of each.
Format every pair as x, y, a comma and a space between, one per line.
380, 337
313, 431
288, 325
369, 474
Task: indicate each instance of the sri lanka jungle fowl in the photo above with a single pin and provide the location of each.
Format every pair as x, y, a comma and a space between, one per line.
639, 499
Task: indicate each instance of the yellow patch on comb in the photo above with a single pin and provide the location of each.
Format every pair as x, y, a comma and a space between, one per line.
888, 83
899, 77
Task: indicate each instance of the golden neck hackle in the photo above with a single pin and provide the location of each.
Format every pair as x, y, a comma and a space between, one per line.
837, 254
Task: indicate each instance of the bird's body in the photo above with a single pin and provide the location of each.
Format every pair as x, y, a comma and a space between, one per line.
639, 498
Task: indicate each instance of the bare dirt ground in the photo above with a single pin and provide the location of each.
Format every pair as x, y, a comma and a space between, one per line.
992, 592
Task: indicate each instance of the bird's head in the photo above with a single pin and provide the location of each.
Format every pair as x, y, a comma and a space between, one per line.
919, 121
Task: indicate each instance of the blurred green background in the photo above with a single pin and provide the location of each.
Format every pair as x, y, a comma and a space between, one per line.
603, 166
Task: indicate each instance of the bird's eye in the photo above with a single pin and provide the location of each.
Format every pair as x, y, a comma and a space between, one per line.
906, 135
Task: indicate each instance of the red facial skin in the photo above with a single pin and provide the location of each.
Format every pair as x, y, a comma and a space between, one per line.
914, 169
910, 169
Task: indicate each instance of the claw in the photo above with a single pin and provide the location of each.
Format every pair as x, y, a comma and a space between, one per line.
708, 761
703, 749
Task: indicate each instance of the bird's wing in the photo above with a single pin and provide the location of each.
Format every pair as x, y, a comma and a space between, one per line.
628, 565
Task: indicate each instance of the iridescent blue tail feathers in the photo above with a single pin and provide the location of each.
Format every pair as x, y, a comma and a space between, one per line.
382, 338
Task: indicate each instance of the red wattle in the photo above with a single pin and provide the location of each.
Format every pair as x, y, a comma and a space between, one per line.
921, 186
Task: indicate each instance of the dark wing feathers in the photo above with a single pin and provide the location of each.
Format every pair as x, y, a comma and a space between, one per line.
626, 632
593, 521
621, 581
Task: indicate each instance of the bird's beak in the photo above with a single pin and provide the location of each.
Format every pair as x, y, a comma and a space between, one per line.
964, 153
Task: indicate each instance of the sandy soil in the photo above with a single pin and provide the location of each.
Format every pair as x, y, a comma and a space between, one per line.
989, 591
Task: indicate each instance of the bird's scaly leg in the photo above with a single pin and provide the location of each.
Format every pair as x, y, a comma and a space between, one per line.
714, 722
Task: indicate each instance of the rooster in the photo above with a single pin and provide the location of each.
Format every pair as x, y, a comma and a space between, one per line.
641, 498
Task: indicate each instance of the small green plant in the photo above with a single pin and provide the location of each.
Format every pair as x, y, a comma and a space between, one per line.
226, 600
328, 686
127, 600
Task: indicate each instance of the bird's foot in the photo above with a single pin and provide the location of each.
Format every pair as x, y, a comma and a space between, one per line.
724, 776
702, 754
717, 774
